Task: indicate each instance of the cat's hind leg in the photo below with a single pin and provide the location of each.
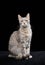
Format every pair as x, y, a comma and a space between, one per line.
19, 56
10, 55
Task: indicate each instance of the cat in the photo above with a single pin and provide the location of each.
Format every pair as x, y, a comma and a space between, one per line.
20, 41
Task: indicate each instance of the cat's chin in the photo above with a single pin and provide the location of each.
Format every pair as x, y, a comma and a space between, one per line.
24, 26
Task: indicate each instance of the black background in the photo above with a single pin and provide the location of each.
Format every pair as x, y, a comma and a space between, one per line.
9, 22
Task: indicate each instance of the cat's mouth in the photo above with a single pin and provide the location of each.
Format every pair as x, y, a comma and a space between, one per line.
24, 26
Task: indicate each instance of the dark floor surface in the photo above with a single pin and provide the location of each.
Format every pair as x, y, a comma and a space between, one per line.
38, 59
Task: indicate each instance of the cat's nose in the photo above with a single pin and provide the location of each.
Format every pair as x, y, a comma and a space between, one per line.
24, 23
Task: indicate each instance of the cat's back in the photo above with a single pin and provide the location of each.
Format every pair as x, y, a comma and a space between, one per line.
13, 38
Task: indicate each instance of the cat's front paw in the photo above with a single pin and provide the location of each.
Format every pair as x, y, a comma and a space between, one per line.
30, 56
19, 56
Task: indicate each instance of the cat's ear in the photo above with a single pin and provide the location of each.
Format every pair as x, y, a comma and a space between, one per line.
28, 16
19, 17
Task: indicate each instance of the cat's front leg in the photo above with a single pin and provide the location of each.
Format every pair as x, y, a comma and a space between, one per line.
28, 51
24, 51
30, 56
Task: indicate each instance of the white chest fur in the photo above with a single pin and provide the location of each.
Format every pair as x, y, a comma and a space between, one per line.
25, 34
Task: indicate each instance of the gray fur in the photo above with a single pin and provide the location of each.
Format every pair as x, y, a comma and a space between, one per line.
19, 43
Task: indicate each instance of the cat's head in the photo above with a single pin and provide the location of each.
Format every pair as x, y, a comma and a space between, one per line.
24, 21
